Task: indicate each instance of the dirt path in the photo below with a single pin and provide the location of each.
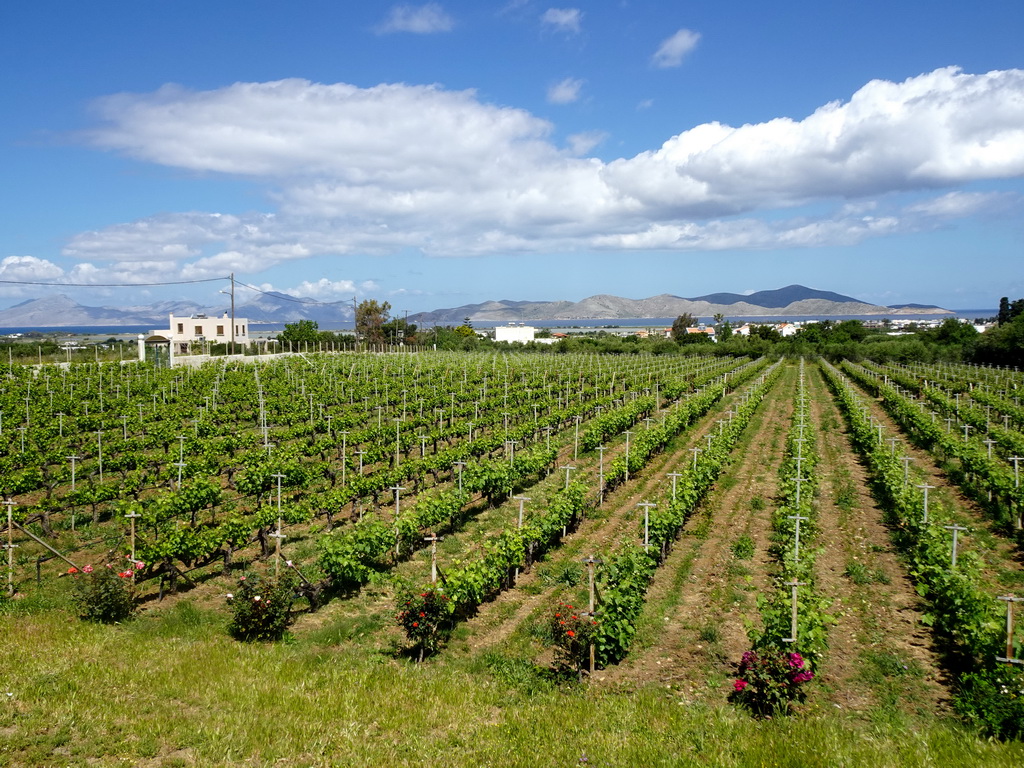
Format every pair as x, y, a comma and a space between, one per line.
880, 654
693, 624
618, 518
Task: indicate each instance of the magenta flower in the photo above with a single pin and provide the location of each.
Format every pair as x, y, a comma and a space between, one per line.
739, 685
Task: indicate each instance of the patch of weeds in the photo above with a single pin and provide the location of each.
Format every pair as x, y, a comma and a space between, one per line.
183, 619
757, 504
1010, 578
560, 574
886, 664
846, 496
347, 629
857, 573
737, 569
521, 675
743, 547
861, 574
709, 633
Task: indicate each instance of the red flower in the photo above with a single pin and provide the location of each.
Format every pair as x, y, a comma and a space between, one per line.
422, 614
72, 570
415, 623
739, 685
570, 633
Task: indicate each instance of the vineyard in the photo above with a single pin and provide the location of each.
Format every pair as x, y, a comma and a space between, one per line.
477, 559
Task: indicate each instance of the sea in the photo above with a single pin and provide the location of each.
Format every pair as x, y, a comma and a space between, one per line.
264, 329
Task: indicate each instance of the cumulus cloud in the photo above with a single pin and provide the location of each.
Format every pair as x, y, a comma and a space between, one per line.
563, 19
28, 269
565, 91
420, 20
323, 289
376, 170
673, 49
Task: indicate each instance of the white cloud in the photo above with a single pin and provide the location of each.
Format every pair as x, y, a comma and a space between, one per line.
565, 91
673, 49
323, 289
582, 143
377, 170
420, 20
29, 269
563, 19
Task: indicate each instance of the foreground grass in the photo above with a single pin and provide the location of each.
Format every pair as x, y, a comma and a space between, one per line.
174, 690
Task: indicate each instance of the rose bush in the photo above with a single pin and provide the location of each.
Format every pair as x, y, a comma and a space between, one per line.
769, 681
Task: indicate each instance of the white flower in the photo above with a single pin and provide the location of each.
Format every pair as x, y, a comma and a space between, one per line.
256, 599
230, 595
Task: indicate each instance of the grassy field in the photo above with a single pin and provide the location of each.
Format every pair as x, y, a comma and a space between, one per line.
172, 689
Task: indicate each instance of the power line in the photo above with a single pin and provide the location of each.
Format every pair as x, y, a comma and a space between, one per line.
286, 297
112, 285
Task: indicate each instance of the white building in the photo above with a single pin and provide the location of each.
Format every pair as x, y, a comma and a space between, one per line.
190, 334
514, 333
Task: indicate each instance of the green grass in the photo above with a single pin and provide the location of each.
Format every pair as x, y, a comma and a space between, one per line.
187, 695
220, 703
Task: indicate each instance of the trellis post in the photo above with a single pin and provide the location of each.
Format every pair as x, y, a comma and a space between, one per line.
647, 521
955, 529
132, 517
277, 535
628, 433
695, 452
925, 487
796, 547
675, 476
1009, 658
398, 538
793, 615
600, 474
9, 546
590, 562
433, 538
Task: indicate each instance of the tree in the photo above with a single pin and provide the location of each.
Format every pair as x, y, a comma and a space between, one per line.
398, 330
371, 316
1004, 311
680, 324
304, 330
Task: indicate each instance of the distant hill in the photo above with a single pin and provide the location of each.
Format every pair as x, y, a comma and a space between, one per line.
791, 301
60, 311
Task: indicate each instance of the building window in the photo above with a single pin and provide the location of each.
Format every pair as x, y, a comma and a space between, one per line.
181, 327
199, 330
220, 330
243, 330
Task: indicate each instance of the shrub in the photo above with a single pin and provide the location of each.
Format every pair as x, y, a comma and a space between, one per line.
993, 700
769, 681
743, 548
427, 618
572, 631
103, 594
261, 608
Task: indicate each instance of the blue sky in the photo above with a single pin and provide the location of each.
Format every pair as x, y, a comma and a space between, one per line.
438, 154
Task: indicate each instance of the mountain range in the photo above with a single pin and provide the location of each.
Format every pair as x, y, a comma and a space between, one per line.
791, 301
794, 300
